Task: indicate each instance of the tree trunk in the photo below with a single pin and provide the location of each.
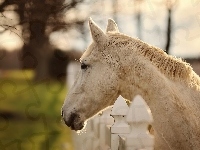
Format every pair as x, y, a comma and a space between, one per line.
168, 38
138, 13
115, 5
139, 25
37, 52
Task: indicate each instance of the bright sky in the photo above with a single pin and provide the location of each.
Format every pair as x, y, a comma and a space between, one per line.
10, 40
186, 26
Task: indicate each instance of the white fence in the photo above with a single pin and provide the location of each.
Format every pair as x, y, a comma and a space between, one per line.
119, 127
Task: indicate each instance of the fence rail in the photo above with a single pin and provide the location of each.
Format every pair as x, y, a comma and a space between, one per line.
120, 127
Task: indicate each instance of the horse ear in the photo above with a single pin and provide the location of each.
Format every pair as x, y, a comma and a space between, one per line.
112, 26
97, 34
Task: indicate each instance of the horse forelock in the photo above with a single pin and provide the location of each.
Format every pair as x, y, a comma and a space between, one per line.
88, 51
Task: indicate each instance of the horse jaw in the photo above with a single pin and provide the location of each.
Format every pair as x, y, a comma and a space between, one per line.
75, 115
94, 90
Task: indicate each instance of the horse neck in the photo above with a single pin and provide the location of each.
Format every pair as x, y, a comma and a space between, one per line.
167, 94
145, 63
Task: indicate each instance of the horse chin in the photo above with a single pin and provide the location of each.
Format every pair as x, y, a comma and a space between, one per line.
77, 126
74, 122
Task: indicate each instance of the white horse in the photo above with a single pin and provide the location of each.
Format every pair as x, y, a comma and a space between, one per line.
115, 64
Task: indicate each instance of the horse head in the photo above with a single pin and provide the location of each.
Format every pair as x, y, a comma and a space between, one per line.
98, 81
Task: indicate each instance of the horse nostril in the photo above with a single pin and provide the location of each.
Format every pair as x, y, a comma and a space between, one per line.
74, 121
71, 120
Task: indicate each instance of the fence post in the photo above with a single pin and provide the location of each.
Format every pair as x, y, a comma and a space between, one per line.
95, 121
120, 127
88, 137
106, 121
139, 117
72, 70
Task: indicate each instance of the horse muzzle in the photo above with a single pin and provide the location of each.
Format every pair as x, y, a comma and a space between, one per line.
73, 120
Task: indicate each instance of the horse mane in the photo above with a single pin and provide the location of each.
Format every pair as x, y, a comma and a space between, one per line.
173, 67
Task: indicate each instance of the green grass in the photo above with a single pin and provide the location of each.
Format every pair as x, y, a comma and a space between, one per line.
36, 124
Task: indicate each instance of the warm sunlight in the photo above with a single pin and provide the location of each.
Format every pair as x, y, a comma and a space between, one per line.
10, 41
93, 67
185, 37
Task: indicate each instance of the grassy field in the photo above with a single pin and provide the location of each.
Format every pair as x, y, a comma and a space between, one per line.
30, 113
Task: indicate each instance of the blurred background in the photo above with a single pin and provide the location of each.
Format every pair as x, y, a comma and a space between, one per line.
38, 39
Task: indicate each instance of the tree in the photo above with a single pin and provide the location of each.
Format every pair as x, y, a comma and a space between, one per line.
38, 19
137, 4
170, 7
115, 10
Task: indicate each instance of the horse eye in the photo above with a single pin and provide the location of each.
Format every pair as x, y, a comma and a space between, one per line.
84, 66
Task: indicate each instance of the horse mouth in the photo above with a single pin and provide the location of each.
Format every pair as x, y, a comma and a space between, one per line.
73, 121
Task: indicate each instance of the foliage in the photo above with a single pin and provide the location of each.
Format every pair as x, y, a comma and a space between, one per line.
30, 113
